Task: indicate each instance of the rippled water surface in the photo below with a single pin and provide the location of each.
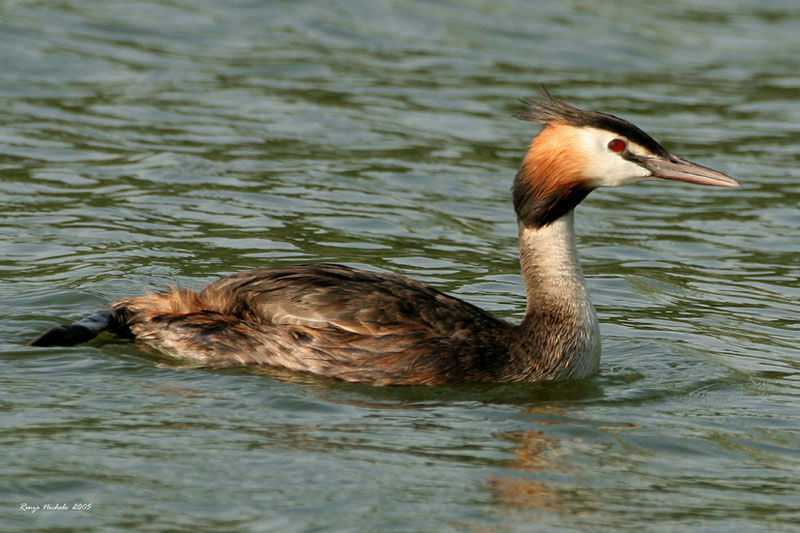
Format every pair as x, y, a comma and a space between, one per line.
144, 144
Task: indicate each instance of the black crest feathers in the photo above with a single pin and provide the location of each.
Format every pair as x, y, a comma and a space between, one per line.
550, 110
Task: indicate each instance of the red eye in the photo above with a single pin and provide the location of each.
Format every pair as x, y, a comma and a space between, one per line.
617, 145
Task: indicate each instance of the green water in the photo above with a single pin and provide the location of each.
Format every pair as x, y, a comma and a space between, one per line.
154, 143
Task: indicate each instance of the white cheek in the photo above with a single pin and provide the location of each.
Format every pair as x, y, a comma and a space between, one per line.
606, 168
614, 171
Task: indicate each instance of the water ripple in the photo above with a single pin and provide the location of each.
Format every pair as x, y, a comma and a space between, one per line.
153, 143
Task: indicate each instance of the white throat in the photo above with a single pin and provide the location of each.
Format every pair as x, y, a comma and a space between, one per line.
549, 261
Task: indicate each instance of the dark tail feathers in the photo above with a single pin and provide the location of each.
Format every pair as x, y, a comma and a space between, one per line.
85, 330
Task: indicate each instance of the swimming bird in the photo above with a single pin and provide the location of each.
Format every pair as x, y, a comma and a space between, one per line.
386, 329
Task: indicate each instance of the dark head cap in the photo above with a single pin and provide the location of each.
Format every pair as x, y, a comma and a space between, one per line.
555, 111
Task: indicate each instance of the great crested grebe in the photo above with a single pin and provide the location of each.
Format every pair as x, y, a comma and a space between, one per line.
386, 329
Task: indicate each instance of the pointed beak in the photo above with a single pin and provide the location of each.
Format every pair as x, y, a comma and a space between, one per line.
679, 169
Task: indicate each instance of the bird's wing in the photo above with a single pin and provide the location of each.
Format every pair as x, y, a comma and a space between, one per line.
325, 295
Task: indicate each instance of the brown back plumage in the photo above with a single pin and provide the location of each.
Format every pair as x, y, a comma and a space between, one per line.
325, 319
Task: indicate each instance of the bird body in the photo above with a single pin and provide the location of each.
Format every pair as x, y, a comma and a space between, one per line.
385, 329
325, 319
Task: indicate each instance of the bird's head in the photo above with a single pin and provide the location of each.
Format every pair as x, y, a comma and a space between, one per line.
578, 151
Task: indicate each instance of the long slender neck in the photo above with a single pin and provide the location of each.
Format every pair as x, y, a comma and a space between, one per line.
559, 335
550, 267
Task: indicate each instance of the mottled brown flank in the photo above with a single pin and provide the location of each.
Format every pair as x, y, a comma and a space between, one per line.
550, 182
338, 322
333, 321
